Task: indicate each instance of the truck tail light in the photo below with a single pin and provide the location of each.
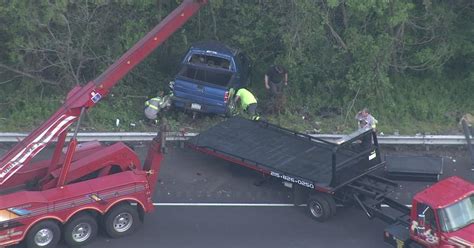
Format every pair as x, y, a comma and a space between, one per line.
226, 96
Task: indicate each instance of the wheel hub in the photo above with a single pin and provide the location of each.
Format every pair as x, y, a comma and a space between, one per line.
43, 237
316, 209
81, 232
123, 222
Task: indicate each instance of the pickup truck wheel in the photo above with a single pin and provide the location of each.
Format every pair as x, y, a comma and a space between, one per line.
121, 220
230, 109
228, 113
80, 230
45, 234
319, 208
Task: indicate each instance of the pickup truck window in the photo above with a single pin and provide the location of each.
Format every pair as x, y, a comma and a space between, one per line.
211, 61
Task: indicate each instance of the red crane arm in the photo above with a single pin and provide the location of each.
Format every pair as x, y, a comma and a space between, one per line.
88, 95
147, 44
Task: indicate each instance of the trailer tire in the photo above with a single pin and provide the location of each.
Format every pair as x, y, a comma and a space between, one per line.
332, 203
319, 208
80, 230
45, 234
121, 220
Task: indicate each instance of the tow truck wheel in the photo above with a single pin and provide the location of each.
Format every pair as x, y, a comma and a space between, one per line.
45, 234
331, 202
80, 230
319, 208
121, 220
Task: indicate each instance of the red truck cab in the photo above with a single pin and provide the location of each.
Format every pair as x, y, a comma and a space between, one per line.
443, 215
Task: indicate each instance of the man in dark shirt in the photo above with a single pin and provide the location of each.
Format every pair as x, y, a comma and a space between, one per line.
275, 79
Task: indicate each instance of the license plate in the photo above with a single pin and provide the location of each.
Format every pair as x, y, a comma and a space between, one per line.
196, 106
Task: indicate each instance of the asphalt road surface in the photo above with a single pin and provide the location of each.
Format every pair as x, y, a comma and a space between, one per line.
203, 201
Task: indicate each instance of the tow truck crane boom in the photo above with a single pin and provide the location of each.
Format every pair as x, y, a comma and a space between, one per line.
87, 96
70, 193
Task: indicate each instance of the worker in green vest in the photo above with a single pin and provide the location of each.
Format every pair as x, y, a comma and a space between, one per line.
248, 102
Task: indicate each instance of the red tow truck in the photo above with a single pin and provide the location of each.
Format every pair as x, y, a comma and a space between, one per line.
85, 184
323, 173
441, 216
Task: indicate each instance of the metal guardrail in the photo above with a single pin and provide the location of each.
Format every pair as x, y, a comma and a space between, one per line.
109, 136
147, 136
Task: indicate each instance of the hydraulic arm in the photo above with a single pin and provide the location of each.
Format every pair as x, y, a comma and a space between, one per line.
85, 97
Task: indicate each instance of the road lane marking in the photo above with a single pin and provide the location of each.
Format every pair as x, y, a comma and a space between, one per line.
224, 204
190, 204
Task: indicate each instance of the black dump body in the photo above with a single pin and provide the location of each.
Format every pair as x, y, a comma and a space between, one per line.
292, 156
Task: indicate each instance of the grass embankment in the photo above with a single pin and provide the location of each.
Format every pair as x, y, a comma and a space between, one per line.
103, 118
413, 106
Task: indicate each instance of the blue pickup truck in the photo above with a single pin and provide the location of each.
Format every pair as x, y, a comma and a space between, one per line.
207, 73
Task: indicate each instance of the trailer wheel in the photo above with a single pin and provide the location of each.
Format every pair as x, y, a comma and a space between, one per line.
122, 220
45, 234
332, 203
319, 208
80, 230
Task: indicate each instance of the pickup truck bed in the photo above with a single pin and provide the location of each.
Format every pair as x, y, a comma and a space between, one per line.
207, 73
216, 76
286, 154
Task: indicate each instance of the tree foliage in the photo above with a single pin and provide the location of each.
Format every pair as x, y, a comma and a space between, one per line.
408, 60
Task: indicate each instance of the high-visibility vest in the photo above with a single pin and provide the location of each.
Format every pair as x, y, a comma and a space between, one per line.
246, 97
373, 122
153, 103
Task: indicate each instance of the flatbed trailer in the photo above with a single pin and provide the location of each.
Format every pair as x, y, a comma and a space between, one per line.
311, 162
318, 170
325, 173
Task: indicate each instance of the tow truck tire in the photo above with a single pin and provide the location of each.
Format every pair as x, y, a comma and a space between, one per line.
80, 230
45, 234
331, 202
319, 208
121, 220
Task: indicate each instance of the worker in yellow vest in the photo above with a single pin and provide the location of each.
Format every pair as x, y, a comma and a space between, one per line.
248, 102
154, 105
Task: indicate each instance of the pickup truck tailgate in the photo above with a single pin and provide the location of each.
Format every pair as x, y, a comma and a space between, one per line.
199, 93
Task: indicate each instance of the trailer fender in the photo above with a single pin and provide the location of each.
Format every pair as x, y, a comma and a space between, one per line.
131, 201
94, 212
